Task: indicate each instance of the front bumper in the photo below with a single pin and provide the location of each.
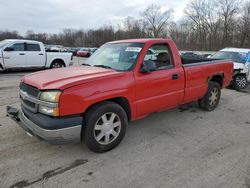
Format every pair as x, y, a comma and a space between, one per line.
69, 133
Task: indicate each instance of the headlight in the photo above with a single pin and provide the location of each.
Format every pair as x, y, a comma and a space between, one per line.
50, 96
49, 111
52, 108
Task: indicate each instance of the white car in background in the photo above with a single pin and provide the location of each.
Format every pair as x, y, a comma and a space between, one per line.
16, 54
241, 59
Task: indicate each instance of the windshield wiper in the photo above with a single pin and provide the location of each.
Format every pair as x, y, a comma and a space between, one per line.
85, 64
103, 66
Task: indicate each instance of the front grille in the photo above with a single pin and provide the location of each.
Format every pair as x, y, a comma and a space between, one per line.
30, 90
28, 103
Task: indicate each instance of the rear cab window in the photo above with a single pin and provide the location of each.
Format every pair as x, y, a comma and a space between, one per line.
32, 47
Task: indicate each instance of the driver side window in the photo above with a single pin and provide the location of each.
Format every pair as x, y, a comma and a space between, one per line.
17, 47
160, 54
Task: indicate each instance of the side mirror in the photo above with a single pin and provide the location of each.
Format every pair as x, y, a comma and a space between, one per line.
148, 66
9, 49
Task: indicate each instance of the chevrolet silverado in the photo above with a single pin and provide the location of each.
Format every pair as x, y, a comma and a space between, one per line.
121, 82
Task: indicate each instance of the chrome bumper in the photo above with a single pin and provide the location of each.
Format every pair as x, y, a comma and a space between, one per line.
56, 136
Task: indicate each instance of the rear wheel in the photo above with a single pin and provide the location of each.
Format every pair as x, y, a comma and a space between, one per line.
104, 126
239, 82
211, 100
57, 64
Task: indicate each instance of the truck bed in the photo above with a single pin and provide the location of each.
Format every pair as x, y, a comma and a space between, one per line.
198, 72
186, 61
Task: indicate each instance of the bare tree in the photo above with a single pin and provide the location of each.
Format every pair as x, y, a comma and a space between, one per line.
155, 21
207, 25
244, 25
228, 9
205, 22
9, 35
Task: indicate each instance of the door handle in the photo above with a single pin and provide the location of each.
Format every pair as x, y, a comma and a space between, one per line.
40, 54
22, 54
175, 76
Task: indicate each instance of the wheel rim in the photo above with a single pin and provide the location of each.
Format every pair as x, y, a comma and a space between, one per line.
107, 128
56, 65
241, 81
214, 96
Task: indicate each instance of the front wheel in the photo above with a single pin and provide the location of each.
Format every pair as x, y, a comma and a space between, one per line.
211, 100
104, 126
239, 82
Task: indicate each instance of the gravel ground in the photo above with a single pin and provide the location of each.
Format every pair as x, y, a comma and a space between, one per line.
183, 147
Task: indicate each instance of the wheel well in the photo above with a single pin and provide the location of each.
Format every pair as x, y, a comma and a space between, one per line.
58, 60
218, 79
122, 101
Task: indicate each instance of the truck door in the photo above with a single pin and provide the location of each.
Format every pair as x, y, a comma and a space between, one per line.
34, 54
160, 89
14, 55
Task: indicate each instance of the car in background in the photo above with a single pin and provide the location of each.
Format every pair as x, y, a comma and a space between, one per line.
72, 50
83, 52
55, 48
191, 55
241, 59
150, 55
206, 55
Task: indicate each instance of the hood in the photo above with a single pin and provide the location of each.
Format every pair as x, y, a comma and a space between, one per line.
67, 77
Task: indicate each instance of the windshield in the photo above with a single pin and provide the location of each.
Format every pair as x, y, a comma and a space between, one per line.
234, 56
119, 56
3, 43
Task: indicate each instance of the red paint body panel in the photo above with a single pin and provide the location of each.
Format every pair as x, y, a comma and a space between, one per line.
76, 100
157, 91
68, 77
197, 78
84, 86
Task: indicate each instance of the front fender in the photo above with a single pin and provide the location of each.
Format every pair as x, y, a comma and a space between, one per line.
77, 99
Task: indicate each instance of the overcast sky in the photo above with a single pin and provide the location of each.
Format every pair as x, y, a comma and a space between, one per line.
52, 16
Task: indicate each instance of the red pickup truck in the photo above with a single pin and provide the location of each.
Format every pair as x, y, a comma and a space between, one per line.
123, 81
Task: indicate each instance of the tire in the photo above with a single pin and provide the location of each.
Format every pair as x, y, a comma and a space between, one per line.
211, 99
57, 64
239, 82
100, 136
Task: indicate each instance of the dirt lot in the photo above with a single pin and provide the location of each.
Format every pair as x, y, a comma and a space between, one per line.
184, 147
